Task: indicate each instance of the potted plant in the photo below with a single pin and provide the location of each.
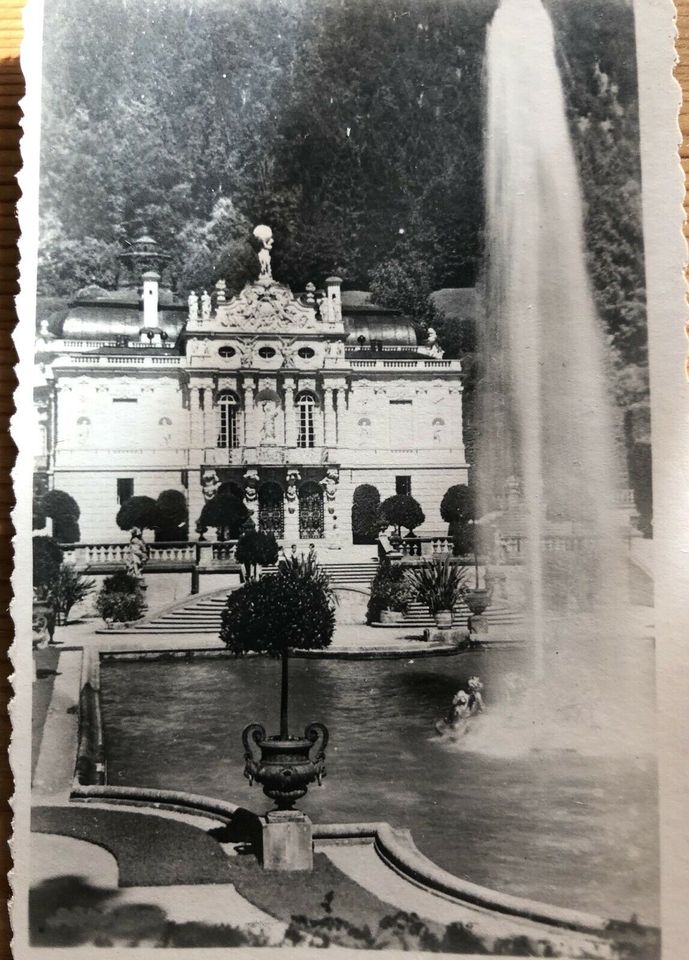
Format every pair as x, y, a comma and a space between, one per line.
68, 588
391, 594
293, 608
439, 584
120, 599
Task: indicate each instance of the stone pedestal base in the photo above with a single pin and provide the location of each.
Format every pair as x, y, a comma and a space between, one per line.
477, 623
452, 636
287, 842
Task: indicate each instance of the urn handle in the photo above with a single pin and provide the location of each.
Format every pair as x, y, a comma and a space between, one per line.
253, 736
317, 733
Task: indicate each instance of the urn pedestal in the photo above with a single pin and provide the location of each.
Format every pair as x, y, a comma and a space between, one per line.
286, 841
285, 766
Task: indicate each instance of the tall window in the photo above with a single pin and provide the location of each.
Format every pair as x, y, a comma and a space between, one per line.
403, 485
125, 489
306, 436
228, 435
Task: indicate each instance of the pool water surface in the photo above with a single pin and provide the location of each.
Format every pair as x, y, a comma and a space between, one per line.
566, 826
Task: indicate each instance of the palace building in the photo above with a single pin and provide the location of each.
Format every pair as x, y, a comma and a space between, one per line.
293, 401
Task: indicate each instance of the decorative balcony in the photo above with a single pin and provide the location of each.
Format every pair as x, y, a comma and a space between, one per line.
271, 456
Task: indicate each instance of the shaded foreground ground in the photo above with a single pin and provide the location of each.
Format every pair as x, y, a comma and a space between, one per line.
324, 907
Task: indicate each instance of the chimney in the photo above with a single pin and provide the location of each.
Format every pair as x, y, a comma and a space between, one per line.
332, 287
150, 297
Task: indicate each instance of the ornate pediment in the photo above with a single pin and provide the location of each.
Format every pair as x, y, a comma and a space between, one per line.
268, 308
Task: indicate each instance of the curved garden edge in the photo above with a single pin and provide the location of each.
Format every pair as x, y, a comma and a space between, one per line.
395, 848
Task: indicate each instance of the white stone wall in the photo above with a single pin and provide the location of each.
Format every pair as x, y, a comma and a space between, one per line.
95, 490
428, 486
112, 412
403, 414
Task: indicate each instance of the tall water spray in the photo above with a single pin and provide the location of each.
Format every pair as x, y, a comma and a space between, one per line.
546, 414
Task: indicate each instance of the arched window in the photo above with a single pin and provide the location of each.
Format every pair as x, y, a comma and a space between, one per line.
306, 432
228, 434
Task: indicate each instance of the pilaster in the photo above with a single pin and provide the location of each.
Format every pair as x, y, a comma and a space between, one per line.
250, 432
290, 415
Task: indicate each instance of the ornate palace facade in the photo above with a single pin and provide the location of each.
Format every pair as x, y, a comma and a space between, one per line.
294, 401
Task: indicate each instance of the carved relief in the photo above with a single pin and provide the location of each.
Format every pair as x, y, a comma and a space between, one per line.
260, 308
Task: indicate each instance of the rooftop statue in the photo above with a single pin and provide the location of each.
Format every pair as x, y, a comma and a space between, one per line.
265, 236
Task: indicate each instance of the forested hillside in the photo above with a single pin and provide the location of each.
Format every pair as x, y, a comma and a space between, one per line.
352, 127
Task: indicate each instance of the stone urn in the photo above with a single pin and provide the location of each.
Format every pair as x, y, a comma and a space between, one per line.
477, 600
443, 619
285, 766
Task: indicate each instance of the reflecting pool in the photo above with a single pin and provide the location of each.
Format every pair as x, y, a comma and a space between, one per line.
572, 823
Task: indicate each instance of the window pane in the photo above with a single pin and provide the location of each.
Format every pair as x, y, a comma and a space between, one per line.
125, 489
403, 485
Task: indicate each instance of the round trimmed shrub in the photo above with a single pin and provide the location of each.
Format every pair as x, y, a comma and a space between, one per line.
290, 609
400, 511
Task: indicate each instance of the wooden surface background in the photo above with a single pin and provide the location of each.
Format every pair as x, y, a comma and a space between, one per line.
11, 91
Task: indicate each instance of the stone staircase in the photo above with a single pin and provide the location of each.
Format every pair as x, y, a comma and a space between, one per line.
202, 615
419, 616
344, 574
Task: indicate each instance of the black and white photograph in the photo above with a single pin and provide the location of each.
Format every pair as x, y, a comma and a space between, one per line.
340, 474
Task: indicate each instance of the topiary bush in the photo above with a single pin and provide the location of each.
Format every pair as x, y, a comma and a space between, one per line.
291, 609
399, 511
62, 509
173, 516
456, 509
365, 506
226, 512
141, 512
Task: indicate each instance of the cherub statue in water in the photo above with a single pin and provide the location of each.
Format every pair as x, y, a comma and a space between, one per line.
464, 706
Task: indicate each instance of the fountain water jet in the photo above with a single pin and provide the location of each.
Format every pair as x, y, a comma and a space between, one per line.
545, 409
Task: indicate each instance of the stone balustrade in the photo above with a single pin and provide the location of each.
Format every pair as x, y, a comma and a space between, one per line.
201, 553
103, 360
423, 546
405, 364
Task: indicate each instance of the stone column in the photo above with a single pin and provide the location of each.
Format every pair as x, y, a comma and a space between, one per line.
290, 416
456, 425
196, 436
210, 433
249, 414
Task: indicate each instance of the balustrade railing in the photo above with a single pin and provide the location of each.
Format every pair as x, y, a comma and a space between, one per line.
199, 553
423, 546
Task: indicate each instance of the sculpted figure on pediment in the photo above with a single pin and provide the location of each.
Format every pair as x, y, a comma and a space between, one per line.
266, 308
